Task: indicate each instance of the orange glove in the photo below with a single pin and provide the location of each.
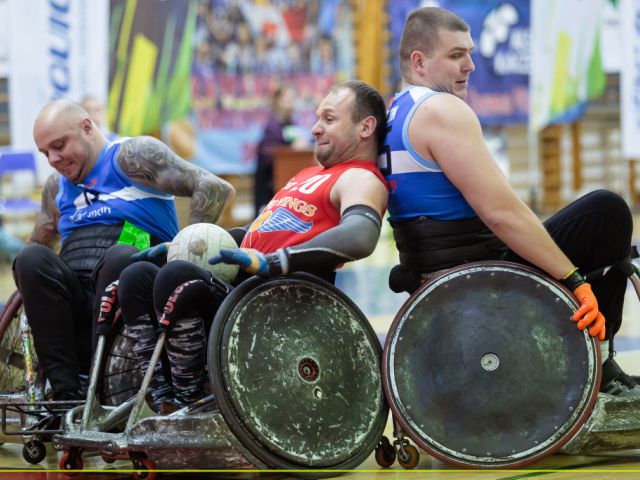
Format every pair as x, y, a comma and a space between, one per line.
588, 314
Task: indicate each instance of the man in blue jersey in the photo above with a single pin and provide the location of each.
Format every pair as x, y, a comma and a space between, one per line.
101, 194
449, 202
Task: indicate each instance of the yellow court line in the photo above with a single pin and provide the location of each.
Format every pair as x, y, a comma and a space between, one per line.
129, 470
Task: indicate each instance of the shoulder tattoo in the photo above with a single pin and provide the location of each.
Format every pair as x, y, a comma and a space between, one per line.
149, 161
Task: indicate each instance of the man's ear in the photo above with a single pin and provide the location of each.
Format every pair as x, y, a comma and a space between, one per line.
86, 125
417, 60
368, 127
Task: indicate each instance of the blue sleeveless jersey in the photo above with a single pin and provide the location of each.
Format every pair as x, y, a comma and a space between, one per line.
107, 196
417, 186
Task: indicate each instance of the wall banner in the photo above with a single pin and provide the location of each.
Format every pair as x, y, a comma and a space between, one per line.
566, 66
57, 49
630, 78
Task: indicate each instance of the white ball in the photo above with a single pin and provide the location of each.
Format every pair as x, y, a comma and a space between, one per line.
201, 241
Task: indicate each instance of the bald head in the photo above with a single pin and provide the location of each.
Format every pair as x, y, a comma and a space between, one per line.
60, 112
66, 135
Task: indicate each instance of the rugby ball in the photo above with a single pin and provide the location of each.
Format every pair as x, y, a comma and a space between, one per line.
201, 241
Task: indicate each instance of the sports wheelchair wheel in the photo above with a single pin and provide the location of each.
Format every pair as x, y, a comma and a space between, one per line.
119, 375
483, 366
12, 360
295, 368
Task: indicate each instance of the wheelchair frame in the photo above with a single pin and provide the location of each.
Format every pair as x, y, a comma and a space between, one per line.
24, 412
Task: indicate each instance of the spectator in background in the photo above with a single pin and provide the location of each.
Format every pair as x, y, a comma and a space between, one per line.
98, 113
322, 57
272, 137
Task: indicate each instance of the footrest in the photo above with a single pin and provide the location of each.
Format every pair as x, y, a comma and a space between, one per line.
43, 417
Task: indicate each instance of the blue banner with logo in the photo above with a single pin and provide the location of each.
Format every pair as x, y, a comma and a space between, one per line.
499, 87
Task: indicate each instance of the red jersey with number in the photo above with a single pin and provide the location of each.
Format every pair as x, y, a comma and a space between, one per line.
302, 209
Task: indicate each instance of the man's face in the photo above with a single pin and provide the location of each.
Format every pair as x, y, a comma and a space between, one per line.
65, 145
336, 134
449, 65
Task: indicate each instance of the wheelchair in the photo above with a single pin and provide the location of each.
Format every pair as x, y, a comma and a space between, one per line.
483, 368
294, 368
25, 412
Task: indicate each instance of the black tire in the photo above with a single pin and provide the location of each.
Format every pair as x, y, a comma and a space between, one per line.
12, 361
454, 330
34, 451
120, 377
289, 309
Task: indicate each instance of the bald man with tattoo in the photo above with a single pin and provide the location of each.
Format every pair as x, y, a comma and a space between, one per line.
104, 201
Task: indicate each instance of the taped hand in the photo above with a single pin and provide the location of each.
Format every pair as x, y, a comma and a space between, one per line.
588, 314
152, 253
248, 259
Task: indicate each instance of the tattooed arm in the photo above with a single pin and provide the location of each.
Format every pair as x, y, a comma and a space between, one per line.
45, 230
150, 162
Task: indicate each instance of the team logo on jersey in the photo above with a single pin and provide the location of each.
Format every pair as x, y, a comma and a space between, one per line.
257, 223
280, 220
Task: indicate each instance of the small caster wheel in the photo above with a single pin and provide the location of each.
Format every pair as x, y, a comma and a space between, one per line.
144, 469
410, 459
34, 451
71, 463
385, 454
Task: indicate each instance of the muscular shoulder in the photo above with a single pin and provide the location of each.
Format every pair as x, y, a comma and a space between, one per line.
150, 162
357, 174
140, 158
443, 119
359, 186
443, 109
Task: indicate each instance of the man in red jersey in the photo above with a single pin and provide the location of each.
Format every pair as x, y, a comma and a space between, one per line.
323, 217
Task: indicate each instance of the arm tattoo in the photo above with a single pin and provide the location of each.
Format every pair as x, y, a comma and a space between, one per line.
45, 230
150, 162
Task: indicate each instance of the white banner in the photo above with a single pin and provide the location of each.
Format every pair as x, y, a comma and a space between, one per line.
4, 39
566, 66
57, 49
630, 78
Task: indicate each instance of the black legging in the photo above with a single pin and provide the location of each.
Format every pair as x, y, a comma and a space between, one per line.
61, 306
595, 231
145, 288
143, 292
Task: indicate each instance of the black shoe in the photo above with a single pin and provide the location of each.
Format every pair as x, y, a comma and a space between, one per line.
616, 382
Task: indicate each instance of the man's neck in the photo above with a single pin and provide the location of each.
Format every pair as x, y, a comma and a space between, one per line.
96, 150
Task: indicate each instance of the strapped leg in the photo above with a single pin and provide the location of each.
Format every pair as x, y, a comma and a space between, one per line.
143, 332
188, 295
186, 349
141, 323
